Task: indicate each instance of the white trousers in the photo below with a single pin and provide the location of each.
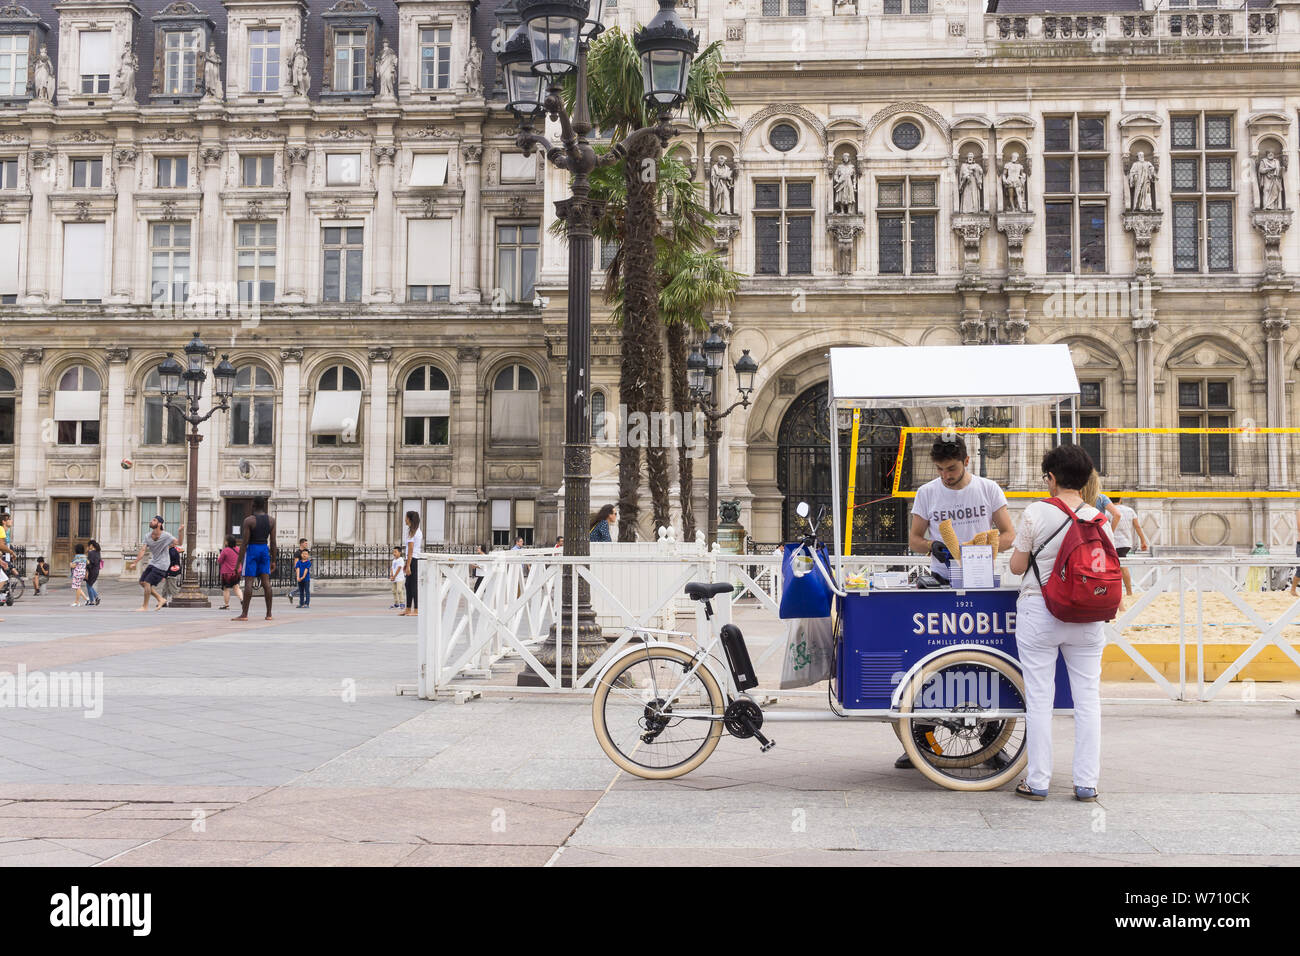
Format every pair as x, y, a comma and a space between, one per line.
1038, 637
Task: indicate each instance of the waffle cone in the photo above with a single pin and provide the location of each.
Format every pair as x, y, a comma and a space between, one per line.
949, 537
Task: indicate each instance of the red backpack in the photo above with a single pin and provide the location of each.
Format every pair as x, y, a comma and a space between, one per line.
1085, 584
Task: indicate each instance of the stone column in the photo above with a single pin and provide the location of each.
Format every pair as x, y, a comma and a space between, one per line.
376, 456
472, 159
30, 438
468, 439
289, 446
124, 225
296, 244
1144, 334
1275, 325
385, 282
40, 177
115, 419
209, 256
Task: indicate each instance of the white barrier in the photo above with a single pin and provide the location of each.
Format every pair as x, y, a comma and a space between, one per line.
464, 632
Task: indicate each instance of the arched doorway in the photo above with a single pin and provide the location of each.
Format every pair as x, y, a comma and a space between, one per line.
804, 472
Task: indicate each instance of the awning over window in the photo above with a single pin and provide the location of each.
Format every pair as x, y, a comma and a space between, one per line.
435, 521
83, 260
336, 413
429, 169
428, 253
516, 168
76, 406
96, 53
8, 258
420, 404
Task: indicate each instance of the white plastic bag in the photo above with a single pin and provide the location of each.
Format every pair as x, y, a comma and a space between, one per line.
809, 652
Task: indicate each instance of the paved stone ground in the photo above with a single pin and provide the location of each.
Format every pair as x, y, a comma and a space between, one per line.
284, 743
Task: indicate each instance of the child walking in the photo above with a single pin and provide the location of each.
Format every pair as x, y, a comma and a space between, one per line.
80, 567
302, 571
397, 575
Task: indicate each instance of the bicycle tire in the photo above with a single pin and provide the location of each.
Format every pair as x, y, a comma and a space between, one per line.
17, 587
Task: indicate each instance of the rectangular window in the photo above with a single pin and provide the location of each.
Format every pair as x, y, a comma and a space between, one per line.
343, 250
169, 508
784, 237
906, 237
1202, 182
96, 61
1091, 414
83, 261
169, 250
156, 413
435, 58
350, 61
9, 260
428, 260
8, 172
172, 172
257, 171
1205, 403
264, 60
343, 169
512, 520
334, 521
518, 168
255, 261
429, 169
1074, 183
180, 61
87, 173
517, 251
13, 65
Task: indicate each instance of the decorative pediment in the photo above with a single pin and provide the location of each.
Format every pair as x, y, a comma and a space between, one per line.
809, 118
1267, 121
181, 13
12, 13
845, 124
1206, 353
1091, 355
970, 122
352, 8
916, 109
1139, 121
1015, 121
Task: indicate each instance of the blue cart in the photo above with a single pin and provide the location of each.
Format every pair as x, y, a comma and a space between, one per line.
940, 665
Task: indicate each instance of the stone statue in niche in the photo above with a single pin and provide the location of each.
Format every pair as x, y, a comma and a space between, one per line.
212, 89
721, 180
970, 185
126, 75
299, 70
1268, 177
1141, 179
43, 76
474, 70
386, 71
1015, 175
844, 182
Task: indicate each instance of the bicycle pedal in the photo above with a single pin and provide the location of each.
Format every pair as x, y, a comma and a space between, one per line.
764, 748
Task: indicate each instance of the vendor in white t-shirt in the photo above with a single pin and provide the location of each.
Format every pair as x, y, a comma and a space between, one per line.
973, 505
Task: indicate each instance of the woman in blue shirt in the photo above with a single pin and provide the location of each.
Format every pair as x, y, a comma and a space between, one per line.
605, 518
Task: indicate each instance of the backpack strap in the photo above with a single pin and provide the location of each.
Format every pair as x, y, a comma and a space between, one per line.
1033, 557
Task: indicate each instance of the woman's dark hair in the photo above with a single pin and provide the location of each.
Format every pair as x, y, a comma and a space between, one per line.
413, 519
1071, 465
79, 549
94, 545
603, 514
230, 541
949, 449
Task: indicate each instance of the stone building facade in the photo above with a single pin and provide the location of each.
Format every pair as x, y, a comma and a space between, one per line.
364, 241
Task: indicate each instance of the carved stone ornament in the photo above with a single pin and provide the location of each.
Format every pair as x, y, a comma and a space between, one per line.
468, 353
170, 135
341, 208
117, 354
39, 158
430, 206
210, 154
88, 136
253, 210
384, 155
169, 210
971, 226
431, 132
471, 153
32, 356
379, 353
1272, 224
126, 155
342, 132
1014, 225
256, 132
1143, 225
844, 229
726, 229
1275, 323
297, 155
518, 204
291, 354
83, 210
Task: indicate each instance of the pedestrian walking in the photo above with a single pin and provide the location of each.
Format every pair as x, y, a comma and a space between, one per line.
302, 574
476, 570
1044, 527
1126, 529
414, 544
171, 585
158, 544
257, 556
77, 573
397, 577
228, 573
604, 526
9, 555
94, 564
41, 574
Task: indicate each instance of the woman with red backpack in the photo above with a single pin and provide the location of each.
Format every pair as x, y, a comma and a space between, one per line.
1071, 584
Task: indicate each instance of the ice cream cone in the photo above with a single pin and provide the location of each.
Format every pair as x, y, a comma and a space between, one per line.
950, 539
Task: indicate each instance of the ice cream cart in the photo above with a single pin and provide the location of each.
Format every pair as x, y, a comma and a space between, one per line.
939, 664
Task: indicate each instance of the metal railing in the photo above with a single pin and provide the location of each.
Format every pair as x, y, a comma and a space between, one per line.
327, 563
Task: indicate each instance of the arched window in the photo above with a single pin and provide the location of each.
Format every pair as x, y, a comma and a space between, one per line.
252, 407
162, 425
597, 416
336, 414
76, 406
426, 407
516, 406
8, 395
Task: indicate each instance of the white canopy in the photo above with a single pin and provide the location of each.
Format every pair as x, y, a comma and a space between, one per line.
942, 375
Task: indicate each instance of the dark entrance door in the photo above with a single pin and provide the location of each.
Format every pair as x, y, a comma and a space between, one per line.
237, 509
74, 524
804, 473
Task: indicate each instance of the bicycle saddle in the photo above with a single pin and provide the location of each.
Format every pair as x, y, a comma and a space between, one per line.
702, 590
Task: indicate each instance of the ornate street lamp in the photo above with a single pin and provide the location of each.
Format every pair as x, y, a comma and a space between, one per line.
194, 374
702, 368
556, 35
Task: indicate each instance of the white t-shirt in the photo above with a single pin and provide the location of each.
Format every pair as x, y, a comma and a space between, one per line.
398, 570
1037, 522
970, 510
418, 538
1123, 531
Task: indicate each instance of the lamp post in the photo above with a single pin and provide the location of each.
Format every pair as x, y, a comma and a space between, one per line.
194, 373
550, 44
987, 417
702, 367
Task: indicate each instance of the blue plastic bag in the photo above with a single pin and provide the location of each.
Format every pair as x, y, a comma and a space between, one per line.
806, 595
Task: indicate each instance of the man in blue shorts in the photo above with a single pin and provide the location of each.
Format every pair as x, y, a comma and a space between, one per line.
257, 555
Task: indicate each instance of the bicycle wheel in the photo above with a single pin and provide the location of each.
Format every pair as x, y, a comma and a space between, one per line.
966, 752
643, 731
16, 588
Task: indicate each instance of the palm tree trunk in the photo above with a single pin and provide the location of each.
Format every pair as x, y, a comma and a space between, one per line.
681, 396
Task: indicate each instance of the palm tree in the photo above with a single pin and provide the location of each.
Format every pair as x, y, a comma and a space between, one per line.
618, 106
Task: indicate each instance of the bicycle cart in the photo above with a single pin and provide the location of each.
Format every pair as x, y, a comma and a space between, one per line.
939, 664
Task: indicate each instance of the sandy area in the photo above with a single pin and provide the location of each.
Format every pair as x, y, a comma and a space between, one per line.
1224, 623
